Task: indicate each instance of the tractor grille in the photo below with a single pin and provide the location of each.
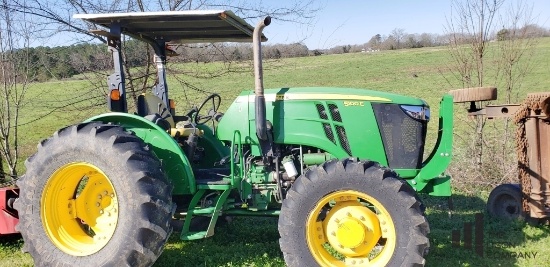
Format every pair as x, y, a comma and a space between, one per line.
334, 112
402, 135
340, 131
322, 111
328, 132
343, 139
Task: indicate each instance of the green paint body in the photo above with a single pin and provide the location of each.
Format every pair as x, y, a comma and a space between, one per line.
295, 118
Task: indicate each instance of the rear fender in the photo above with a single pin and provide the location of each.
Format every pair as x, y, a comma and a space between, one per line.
175, 163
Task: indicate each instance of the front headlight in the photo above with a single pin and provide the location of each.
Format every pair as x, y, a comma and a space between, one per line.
417, 112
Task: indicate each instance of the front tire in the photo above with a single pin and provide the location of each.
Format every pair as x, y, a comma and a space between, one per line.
352, 213
94, 195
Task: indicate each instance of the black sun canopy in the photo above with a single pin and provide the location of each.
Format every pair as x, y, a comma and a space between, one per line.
191, 26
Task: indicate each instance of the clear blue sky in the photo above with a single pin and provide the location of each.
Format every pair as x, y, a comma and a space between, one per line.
343, 22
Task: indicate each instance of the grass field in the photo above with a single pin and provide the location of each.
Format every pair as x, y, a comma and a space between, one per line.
254, 241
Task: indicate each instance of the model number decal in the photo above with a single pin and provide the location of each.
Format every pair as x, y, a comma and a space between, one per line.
354, 103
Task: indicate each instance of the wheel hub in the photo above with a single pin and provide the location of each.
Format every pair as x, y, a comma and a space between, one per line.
79, 209
352, 228
350, 233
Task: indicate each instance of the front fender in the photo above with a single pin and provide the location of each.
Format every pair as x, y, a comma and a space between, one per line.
174, 162
434, 167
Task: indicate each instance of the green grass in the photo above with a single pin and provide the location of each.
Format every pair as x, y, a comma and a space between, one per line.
254, 241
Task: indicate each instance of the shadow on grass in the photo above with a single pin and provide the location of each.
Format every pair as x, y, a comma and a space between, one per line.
11, 241
247, 241
251, 241
505, 243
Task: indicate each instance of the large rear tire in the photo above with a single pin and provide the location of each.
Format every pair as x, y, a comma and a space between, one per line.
94, 195
352, 213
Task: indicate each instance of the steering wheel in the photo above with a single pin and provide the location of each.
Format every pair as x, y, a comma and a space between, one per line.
202, 119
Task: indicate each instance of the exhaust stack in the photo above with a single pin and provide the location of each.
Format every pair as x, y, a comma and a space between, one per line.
261, 123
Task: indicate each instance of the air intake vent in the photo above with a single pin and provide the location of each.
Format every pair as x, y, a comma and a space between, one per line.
322, 111
328, 132
343, 138
334, 112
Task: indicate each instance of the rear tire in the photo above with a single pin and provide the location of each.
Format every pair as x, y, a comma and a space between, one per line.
505, 202
94, 195
357, 209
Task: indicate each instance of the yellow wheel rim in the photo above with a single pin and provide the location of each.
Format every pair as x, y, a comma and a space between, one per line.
350, 228
79, 209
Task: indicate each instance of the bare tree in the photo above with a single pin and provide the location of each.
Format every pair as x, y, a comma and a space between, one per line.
375, 41
469, 29
516, 48
389, 43
488, 151
427, 40
398, 34
16, 32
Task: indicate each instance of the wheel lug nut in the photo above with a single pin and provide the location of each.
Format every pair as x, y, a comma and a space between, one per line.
105, 192
112, 195
333, 233
349, 214
100, 211
97, 204
362, 218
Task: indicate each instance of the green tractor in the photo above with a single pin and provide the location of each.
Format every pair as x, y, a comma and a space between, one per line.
340, 167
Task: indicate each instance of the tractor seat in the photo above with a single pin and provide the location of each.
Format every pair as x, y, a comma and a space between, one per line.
152, 108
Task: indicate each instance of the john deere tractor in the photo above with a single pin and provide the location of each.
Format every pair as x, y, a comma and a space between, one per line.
340, 167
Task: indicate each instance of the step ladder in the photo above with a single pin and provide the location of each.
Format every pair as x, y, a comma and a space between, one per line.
212, 180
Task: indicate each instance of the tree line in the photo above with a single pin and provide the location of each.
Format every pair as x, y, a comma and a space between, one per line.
63, 62
398, 38
66, 61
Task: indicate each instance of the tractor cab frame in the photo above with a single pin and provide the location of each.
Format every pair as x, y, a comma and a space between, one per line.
159, 30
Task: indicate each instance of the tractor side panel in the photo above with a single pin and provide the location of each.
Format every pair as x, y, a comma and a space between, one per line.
212, 149
341, 130
174, 162
236, 119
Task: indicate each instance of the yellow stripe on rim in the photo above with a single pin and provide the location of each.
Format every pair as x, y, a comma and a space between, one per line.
79, 209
